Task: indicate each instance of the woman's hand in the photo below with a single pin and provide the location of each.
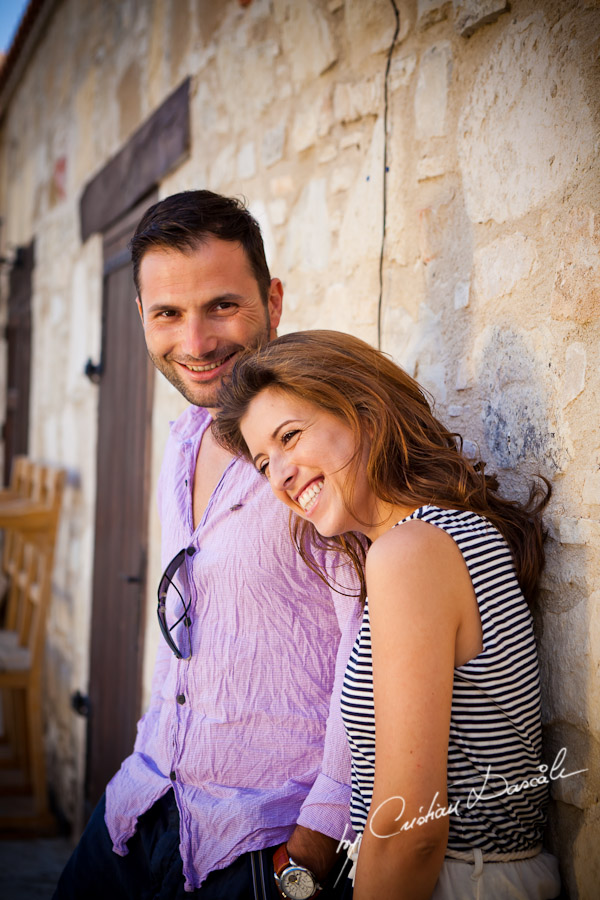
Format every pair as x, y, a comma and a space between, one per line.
424, 616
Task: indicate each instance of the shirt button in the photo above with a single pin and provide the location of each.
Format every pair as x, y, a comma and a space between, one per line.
190, 551
173, 776
181, 698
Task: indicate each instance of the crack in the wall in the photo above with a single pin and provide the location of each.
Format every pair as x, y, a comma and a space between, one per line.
385, 166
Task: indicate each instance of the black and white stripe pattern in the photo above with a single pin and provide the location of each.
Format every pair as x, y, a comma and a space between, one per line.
495, 719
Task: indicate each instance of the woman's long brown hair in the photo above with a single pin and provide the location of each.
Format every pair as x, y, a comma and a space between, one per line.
413, 459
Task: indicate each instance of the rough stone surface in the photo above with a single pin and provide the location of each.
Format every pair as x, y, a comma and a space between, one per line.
516, 144
308, 243
501, 265
305, 128
353, 100
576, 294
574, 378
370, 26
472, 14
401, 70
461, 294
431, 97
306, 38
272, 145
516, 417
246, 161
429, 12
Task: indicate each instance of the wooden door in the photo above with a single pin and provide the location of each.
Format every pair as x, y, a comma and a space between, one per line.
18, 338
122, 492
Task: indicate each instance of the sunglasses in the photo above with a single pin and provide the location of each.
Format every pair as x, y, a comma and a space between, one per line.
166, 582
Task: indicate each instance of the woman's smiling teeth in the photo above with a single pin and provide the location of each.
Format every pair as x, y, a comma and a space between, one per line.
308, 497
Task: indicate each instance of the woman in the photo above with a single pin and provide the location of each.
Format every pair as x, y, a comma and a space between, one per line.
443, 680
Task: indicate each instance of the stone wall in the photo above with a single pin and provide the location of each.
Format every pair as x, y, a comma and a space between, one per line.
479, 272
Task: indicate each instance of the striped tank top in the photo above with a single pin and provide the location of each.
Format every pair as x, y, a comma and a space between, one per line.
495, 728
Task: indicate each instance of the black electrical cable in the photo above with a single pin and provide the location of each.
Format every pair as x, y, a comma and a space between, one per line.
385, 167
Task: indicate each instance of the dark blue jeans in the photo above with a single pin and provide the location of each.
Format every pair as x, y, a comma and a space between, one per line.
152, 870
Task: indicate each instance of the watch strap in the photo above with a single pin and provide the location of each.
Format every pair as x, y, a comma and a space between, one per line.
281, 861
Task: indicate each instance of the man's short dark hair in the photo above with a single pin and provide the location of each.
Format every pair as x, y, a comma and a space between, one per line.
183, 221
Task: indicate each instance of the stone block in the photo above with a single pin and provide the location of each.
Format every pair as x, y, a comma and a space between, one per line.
431, 96
308, 45
370, 26
209, 16
282, 185
573, 381
591, 487
272, 145
501, 265
401, 71
434, 227
432, 167
518, 417
308, 239
576, 294
361, 230
463, 374
430, 12
461, 294
259, 211
278, 211
327, 154
586, 859
255, 65
432, 375
129, 100
342, 179
583, 532
223, 168
521, 144
353, 100
351, 139
305, 128
565, 641
246, 161
469, 15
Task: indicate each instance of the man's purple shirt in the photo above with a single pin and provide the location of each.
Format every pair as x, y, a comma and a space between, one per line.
255, 743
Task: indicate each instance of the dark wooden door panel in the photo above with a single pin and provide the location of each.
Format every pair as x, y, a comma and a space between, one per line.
18, 338
121, 525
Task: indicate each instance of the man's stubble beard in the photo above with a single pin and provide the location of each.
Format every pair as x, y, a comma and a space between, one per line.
204, 395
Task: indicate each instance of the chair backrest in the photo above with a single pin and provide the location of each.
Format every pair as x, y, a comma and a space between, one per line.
22, 485
44, 484
33, 586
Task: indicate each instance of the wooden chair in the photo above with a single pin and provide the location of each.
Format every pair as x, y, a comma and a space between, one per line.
22, 486
27, 561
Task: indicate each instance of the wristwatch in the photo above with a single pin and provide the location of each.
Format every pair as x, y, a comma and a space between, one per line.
293, 880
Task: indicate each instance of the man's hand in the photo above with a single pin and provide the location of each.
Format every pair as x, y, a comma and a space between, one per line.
314, 850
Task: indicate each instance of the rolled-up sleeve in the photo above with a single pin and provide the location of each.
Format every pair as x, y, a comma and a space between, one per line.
327, 806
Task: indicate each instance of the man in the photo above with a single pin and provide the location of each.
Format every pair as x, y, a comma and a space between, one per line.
240, 763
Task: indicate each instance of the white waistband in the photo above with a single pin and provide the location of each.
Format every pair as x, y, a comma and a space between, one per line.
469, 855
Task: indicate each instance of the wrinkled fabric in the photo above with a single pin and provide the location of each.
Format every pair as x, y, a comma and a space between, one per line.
256, 742
525, 879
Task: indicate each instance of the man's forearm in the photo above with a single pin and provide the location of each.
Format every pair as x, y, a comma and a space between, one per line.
316, 851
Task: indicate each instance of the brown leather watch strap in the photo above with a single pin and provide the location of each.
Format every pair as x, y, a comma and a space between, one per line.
281, 859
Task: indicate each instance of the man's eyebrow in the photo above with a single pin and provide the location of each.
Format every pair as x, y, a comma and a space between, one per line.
173, 304
274, 435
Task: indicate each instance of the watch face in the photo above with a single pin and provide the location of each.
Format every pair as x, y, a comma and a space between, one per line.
297, 883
